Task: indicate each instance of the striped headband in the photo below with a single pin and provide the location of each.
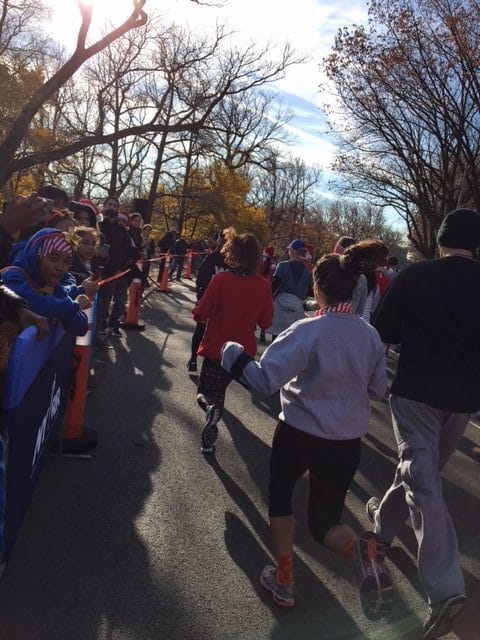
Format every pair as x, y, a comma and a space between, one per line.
54, 243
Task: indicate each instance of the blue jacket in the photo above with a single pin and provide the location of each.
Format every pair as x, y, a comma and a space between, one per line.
23, 277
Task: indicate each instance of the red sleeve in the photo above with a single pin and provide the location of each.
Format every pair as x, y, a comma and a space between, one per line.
204, 307
266, 315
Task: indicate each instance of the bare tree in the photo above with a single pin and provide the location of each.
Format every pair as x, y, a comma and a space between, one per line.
18, 130
20, 27
287, 190
244, 128
407, 89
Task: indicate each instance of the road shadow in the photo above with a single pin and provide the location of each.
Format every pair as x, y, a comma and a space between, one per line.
255, 454
248, 552
81, 557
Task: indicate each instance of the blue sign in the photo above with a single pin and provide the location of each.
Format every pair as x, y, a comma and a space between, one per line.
36, 393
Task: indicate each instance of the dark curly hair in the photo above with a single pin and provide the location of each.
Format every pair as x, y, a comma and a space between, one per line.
375, 254
241, 252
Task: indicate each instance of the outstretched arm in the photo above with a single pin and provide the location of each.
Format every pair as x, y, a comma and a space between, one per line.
283, 360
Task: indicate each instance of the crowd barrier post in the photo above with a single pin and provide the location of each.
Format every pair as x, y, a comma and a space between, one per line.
164, 283
78, 439
134, 300
188, 270
37, 383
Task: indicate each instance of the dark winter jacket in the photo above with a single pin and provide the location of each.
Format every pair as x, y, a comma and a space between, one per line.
120, 247
432, 309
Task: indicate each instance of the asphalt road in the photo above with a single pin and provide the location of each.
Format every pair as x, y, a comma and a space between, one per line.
149, 541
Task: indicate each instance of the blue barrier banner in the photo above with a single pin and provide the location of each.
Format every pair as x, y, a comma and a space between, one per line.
36, 393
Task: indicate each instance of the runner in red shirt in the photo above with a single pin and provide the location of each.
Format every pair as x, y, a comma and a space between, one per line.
234, 303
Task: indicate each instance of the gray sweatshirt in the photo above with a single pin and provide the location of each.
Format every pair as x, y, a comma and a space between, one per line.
327, 367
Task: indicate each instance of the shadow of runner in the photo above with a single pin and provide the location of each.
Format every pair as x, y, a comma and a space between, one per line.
401, 617
247, 553
306, 620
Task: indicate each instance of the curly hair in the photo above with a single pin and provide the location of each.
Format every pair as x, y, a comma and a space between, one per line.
377, 250
241, 252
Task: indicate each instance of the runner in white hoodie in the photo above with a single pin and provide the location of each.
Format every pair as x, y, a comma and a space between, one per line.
327, 368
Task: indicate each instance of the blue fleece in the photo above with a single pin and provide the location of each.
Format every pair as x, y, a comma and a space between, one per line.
59, 305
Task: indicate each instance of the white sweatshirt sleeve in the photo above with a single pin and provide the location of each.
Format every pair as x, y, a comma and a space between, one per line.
281, 362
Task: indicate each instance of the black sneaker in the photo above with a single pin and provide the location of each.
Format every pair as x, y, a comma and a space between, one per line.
192, 364
442, 614
374, 584
210, 430
116, 332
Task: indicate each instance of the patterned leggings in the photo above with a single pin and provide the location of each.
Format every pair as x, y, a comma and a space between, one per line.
213, 382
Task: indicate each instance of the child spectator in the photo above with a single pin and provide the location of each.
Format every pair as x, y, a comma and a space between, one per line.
327, 367
85, 213
83, 263
36, 276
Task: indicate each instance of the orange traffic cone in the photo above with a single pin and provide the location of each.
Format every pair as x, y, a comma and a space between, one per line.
78, 439
188, 270
135, 297
164, 283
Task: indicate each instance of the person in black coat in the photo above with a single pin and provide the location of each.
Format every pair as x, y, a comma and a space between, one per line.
212, 264
119, 259
180, 249
165, 246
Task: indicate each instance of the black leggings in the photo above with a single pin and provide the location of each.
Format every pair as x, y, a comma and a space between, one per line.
213, 382
197, 338
331, 465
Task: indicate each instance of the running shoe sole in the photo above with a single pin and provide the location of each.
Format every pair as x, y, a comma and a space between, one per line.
210, 430
375, 586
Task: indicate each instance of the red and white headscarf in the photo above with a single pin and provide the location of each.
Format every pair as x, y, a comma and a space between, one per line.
340, 307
